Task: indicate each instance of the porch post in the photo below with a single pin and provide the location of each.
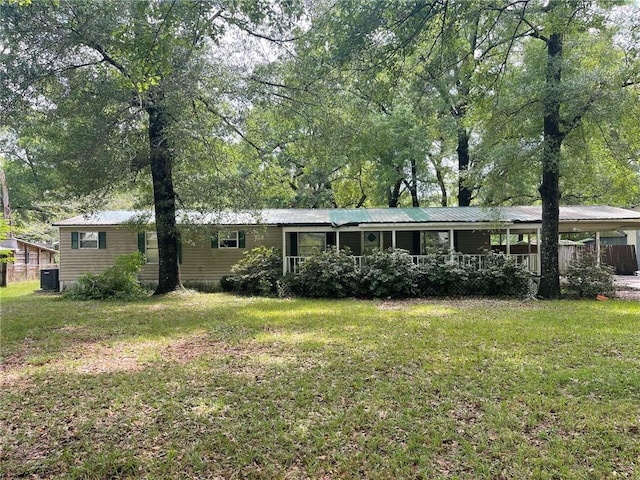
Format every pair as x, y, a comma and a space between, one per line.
452, 244
597, 248
393, 239
284, 252
539, 255
338, 240
508, 249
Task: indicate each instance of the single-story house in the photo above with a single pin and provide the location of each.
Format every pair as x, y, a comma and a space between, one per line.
212, 243
28, 258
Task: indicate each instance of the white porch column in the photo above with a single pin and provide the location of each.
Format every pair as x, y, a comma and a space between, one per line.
539, 245
284, 252
508, 249
393, 239
597, 248
338, 240
452, 244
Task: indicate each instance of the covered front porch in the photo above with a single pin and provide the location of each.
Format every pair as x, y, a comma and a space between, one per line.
451, 244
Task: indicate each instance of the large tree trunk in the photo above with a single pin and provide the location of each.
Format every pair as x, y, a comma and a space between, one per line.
444, 201
550, 187
161, 158
393, 194
464, 192
6, 208
413, 188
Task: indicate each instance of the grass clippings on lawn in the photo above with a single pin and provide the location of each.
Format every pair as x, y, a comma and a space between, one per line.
218, 386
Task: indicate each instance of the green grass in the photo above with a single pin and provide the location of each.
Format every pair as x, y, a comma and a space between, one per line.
217, 386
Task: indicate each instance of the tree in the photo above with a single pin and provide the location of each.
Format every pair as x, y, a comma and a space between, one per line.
107, 74
450, 53
565, 86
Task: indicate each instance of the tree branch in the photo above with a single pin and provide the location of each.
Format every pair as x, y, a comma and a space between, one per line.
228, 123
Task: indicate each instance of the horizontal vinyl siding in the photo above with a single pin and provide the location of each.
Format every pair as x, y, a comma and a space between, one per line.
200, 262
76, 262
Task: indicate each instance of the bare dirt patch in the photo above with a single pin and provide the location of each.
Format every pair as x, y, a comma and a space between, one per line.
190, 348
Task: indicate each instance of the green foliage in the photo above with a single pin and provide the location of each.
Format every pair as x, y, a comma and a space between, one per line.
437, 278
257, 273
388, 274
119, 282
502, 276
586, 279
6, 255
499, 275
329, 274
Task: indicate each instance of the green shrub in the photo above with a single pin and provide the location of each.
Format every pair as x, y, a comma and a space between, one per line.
118, 282
257, 273
437, 278
329, 274
502, 276
226, 283
388, 274
586, 279
499, 276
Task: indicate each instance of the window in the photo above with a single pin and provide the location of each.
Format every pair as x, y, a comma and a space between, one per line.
311, 242
233, 239
151, 248
228, 239
88, 240
371, 242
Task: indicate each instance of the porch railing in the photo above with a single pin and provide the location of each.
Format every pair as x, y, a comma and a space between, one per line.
529, 260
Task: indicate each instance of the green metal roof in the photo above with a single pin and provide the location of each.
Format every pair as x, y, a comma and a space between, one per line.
347, 216
373, 216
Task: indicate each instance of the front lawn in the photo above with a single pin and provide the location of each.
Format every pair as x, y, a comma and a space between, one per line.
218, 386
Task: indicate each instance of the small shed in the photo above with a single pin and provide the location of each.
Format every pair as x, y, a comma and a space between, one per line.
28, 259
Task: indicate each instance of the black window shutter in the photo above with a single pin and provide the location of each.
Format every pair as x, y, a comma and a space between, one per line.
142, 243
214, 240
241, 239
74, 240
293, 242
102, 240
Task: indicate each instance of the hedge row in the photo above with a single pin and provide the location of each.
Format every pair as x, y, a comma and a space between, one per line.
384, 274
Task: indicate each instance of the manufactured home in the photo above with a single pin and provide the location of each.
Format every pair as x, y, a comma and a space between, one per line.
212, 243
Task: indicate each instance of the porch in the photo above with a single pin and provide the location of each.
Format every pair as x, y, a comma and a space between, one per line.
454, 245
529, 260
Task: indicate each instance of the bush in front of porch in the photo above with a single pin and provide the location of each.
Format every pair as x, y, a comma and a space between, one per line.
383, 274
388, 274
329, 274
